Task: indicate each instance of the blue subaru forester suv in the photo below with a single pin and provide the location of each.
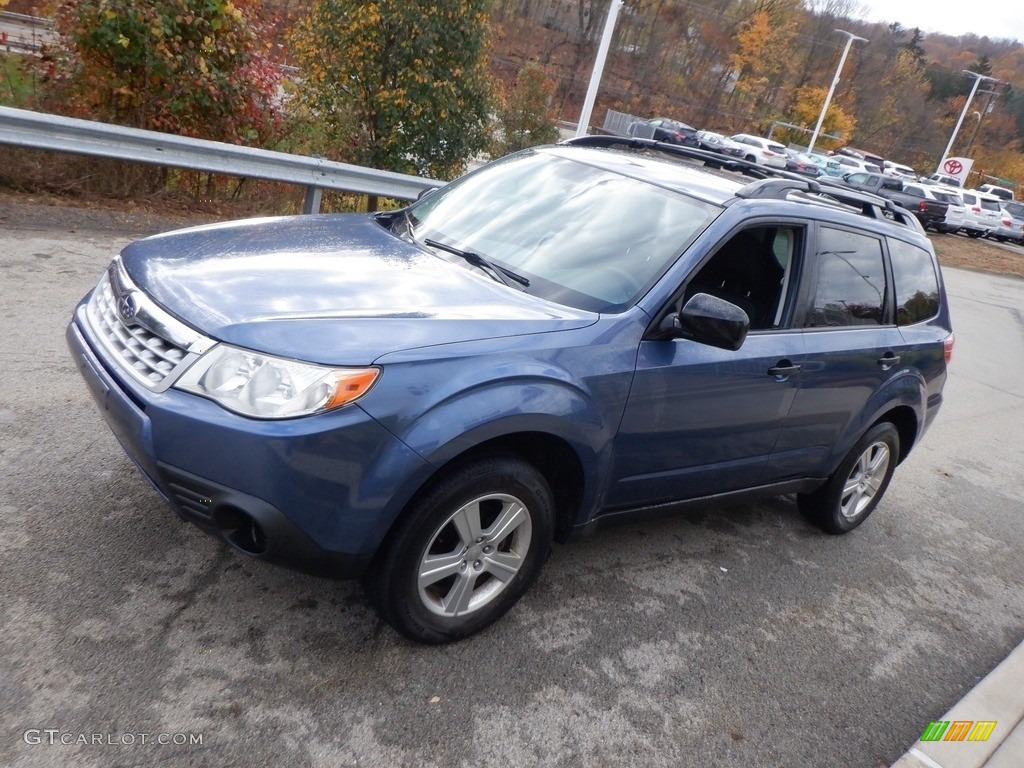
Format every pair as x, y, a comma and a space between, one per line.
427, 398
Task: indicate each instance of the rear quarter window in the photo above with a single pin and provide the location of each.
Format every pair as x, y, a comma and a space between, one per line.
917, 284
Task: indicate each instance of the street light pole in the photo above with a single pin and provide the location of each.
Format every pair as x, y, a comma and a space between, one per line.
835, 81
974, 89
595, 74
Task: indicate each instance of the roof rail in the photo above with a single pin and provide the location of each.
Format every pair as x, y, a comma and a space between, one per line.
712, 159
866, 203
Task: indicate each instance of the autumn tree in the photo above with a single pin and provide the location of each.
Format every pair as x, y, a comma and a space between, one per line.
400, 85
525, 116
805, 111
192, 67
757, 61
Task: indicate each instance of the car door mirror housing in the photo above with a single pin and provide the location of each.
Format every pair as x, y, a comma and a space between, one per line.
709, 320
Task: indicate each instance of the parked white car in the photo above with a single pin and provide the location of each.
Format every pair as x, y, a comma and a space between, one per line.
947, 180
902, 171
956, 213
761, 150
855, 165
1002, 193
983, 213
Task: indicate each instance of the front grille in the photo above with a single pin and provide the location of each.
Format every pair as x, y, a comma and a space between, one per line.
150, 358
145, 341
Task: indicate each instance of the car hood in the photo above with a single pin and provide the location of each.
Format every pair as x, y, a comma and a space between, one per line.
332, 289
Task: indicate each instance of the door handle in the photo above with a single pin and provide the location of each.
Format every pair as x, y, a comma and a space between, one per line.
888, 360
783, 369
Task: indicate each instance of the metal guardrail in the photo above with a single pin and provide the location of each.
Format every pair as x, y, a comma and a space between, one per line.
39, 22
24, 128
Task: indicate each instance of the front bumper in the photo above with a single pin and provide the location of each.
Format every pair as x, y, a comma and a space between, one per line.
315, 494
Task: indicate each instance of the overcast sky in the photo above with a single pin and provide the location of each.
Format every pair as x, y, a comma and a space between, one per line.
995, 18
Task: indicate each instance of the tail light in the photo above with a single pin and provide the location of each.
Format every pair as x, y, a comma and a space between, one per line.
923, 206
976, 209
947, 348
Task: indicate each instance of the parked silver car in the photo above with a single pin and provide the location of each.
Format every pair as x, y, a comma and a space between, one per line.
1011, 223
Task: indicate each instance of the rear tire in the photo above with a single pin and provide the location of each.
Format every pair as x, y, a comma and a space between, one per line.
858, 484
465, 553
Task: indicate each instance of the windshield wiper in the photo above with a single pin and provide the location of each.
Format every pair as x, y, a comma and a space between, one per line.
502, 274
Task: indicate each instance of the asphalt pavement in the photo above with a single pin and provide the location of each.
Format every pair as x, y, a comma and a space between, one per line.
727, 637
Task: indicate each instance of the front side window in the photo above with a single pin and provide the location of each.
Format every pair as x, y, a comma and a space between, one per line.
850, 281
917, 285
753, 269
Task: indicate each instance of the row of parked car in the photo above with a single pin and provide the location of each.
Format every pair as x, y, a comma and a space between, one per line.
936, 200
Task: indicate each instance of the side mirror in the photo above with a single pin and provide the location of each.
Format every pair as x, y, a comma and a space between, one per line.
709, 320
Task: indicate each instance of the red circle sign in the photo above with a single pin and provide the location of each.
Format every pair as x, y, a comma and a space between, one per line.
953, 167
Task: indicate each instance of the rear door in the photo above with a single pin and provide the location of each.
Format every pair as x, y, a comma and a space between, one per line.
852, 347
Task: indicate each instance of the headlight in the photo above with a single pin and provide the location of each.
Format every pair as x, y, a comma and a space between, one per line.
267, 387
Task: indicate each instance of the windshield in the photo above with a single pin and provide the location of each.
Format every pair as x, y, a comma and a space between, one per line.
581, 235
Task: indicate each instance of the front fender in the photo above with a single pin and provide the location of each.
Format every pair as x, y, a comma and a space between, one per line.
572, 387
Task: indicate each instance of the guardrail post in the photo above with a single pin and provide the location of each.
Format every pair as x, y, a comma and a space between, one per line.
313, 197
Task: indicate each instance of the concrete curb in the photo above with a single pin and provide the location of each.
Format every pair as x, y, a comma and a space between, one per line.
1000, 698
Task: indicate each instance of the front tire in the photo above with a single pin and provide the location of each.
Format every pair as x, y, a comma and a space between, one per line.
858, 484
465, 553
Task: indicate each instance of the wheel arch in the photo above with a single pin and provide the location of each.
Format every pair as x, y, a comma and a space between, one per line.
553, 456
904, 418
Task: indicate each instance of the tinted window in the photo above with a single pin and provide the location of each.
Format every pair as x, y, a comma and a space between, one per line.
990, 205
850, 282
917, 286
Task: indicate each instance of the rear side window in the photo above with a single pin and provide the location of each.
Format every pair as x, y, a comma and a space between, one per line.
850, 282
917, 285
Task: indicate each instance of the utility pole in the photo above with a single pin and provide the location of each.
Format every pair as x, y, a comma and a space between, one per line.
595, 74
974, 88
835, 81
